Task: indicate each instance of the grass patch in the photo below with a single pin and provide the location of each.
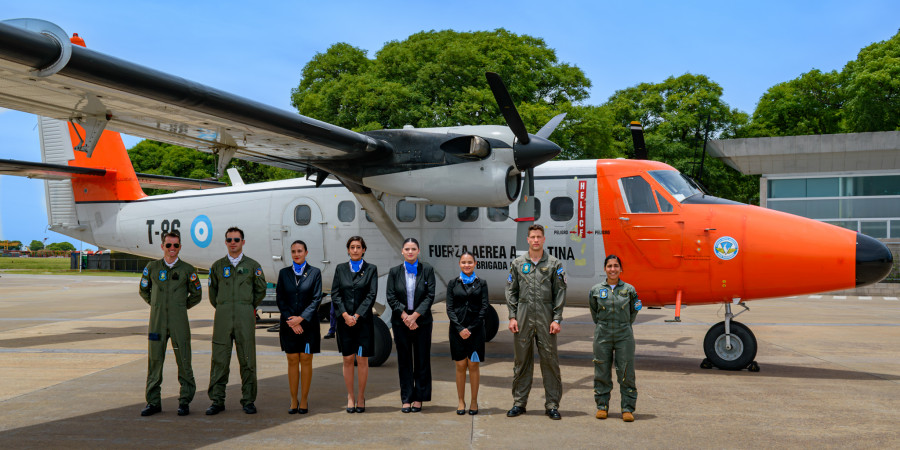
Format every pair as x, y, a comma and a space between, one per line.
36, 264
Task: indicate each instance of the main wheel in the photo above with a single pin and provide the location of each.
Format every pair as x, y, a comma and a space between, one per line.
383, 343
491, 324
741, 353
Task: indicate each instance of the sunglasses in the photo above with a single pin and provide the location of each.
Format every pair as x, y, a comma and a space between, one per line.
169, 245
230, 240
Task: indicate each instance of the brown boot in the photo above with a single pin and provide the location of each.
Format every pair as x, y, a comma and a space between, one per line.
627, 416
601, 414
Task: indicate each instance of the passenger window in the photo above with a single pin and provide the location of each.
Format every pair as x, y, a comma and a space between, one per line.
664, 205
537, 209
638, 195
498, 214
435, 213
562, 209
467, 214
346, 211
406, 211
368, 217
302, 215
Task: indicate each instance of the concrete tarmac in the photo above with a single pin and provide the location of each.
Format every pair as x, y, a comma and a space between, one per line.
73, 359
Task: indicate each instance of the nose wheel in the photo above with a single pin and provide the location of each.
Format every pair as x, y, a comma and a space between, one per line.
730, 345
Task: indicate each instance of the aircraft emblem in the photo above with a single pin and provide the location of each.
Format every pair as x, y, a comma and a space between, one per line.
201, 231
726, 248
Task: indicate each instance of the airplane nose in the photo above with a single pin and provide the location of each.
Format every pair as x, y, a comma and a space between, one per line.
536, 152
873, 260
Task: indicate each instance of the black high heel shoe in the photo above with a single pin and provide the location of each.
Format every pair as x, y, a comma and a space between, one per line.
460, 412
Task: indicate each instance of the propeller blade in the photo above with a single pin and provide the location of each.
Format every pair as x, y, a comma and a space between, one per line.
526, 212
637, 137
507, 108
550, 126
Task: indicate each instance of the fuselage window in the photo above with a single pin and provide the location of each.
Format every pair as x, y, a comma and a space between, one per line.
302, 215
537, 209
664, 204
368, 217
346, 211
638, 195
435, 213
498, 214
561, 209
406, 211
467, 214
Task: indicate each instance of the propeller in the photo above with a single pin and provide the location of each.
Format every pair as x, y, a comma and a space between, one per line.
637, 137
529, 151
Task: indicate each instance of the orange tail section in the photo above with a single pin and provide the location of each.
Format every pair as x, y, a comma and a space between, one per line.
121, 182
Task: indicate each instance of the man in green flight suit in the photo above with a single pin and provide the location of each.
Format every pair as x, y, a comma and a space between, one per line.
535, 297
171, 287
236, 287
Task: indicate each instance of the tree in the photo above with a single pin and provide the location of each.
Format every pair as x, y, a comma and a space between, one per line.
36, 245
809, 104
873, 88
61, 247
159, 158
436, 78
674, 115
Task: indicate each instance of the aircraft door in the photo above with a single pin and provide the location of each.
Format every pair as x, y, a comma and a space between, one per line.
303, 221
652, 221
572, 225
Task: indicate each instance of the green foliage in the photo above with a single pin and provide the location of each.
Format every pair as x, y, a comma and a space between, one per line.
436, 78
159, 158
35, 245
11, 245
674, 115
873, 88
60, 247
864, 96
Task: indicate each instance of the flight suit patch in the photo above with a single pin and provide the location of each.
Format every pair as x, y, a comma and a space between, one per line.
526, 268
226, 271
561, 273
144, 282
509, 279
604, 293
163, 275
193, 277
241, 271
638, 305
146, 271
259, 271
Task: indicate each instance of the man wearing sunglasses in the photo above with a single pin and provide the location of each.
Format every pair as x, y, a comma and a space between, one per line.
171, 287
236, 287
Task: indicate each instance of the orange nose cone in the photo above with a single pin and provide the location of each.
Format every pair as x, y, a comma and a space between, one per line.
77, 40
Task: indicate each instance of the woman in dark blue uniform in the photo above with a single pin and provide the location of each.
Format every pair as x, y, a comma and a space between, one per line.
410, 294
298, 294
467, 305
352, 296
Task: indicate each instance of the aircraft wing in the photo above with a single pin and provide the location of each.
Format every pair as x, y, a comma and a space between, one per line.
98, 90
44, 171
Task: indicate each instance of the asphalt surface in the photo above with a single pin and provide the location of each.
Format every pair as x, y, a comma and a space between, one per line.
73, 366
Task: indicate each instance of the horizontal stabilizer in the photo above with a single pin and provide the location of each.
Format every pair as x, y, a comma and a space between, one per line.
44, 171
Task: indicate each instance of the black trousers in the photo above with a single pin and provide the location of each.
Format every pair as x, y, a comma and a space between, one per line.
413, 361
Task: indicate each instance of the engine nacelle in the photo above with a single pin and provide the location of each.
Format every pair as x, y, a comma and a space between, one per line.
491, 182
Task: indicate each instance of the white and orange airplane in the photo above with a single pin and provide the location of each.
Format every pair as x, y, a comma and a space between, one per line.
451, 188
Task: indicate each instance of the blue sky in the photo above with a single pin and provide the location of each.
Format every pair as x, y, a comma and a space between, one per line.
257, 51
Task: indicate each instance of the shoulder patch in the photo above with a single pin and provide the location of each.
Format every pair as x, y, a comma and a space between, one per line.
509, 279
258, 271
146, 271
144, 282
193, 277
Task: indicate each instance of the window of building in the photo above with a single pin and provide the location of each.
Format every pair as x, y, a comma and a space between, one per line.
467, 214
406, 211
346, 211
302, 215
498, 214
562, 209
435, 213
877, 229
872, 185
637, 195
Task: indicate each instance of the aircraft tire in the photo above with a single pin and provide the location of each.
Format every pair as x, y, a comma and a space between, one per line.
491, 324
383, 344
743, 344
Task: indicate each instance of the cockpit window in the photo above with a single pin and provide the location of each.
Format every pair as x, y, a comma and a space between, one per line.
676, 183
638, 195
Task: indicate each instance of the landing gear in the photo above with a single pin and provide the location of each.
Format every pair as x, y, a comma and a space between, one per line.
491, 324
383, 343
730, 345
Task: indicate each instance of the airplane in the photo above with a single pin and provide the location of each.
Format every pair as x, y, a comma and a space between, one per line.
452, 188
